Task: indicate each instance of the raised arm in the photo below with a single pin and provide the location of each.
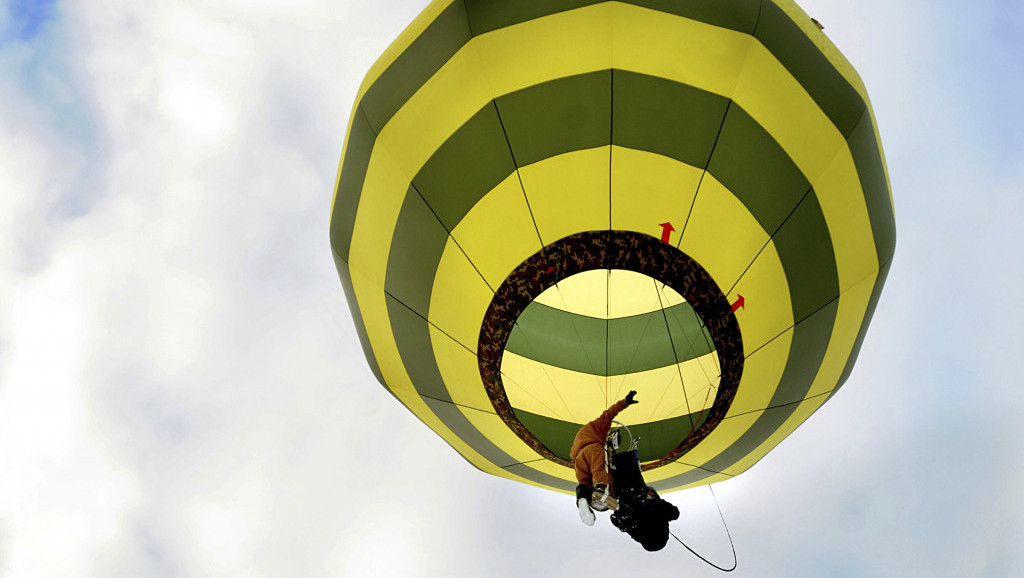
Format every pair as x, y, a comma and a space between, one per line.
604, 423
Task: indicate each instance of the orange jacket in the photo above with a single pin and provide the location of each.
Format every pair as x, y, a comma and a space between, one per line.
596, 431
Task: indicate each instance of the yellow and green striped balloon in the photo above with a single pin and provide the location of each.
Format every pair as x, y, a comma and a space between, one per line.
543, 204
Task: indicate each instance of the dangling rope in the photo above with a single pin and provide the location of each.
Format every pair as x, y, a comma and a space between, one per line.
727, 533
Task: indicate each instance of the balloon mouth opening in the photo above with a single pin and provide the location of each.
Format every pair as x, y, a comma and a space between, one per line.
595, 314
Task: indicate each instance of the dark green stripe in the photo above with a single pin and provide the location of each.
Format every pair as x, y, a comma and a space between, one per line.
752, 164
555, 434
808, 258
657, 439
435, 46
353, 172
810, 341
568, 114
412, 336
868, 159
797, 52
416, 250
488, 15
637, 343
666, 117
475, 158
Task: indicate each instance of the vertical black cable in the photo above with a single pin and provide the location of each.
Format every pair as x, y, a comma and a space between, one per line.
675, 356
608, 279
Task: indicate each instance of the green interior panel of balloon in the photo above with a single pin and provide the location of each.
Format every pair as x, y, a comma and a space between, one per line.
588, 340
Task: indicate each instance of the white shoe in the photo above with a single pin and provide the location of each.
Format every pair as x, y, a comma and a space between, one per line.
586, 514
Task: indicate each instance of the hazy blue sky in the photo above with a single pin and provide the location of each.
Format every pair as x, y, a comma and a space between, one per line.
181, 388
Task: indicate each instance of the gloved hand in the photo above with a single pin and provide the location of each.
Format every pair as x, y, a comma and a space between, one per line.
629, 398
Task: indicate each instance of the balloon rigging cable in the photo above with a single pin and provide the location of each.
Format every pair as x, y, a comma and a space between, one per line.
675, 355
692, 427
727, 533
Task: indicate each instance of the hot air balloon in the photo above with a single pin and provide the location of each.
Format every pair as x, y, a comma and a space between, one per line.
543, 205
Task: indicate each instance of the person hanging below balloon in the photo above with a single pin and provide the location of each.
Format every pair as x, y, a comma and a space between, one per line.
639, 510
642, 513
594, 489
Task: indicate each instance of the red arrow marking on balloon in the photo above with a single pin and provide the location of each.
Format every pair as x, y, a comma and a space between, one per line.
666, 231
739, 303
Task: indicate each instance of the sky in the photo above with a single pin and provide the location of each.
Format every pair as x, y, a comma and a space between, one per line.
181, 388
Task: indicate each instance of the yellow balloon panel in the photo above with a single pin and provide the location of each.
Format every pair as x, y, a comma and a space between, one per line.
384, 190
459, 298
553, 391
767, 309
579, 397
722, 235
630, 294
842, 204
460, 371
373, 306
568, 193
498, 233
667, 392
649, 189
555, 46
687, 51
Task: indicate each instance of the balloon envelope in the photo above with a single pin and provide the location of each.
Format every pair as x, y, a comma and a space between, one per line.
544, 205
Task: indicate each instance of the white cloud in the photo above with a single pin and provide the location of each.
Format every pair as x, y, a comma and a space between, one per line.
183, 393
202, 389
62, 484
31, 188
